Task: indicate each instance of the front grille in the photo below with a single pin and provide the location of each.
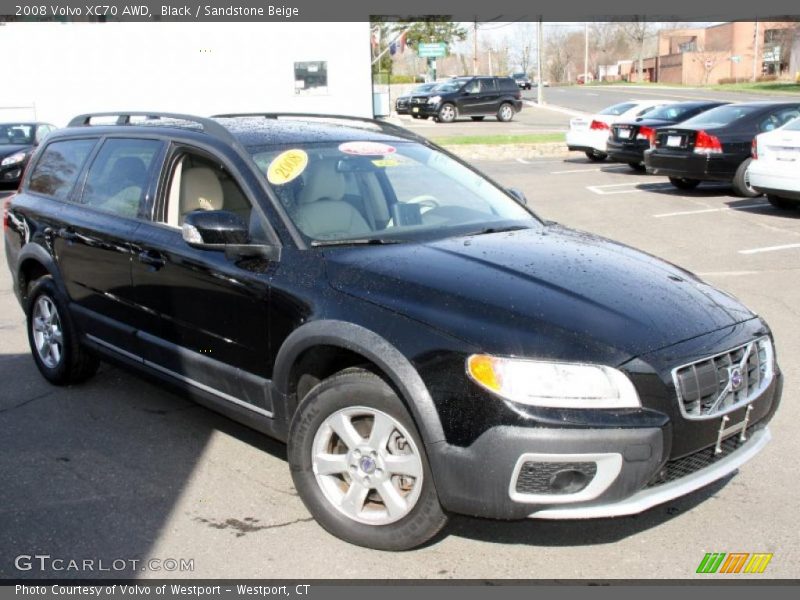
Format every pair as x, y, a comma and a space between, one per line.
418, 101
681, 467
721, 383
540, 477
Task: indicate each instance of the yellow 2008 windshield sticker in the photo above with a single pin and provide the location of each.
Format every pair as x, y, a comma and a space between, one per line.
287, 166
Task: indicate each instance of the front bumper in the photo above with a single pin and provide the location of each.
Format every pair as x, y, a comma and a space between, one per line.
588, 139
689, 165
625, 470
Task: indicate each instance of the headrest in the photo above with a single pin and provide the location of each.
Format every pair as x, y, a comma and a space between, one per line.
322, 181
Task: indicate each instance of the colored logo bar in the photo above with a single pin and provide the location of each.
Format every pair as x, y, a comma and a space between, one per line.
734, 562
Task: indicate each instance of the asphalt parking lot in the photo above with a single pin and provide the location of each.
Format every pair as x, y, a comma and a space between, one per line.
118, 468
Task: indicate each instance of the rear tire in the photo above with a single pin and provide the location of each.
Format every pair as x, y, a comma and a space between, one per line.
682, 183
53, 339
782, 203
505, 113
371, 487
637, 166
741, 182
596, 155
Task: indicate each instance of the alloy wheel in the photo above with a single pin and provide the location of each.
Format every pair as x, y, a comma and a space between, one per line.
48, 336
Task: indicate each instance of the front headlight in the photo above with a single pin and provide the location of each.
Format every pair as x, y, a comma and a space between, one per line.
15, 158
434, 99
553, 384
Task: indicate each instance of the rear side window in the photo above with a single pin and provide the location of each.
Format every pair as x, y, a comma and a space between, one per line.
57, 170
507, 84
118, 178
793, 125
617, 109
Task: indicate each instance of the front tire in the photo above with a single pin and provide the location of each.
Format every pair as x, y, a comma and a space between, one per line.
360, 466
447, 113
741, 182
682, 183
505, 113
53, 339
596, 155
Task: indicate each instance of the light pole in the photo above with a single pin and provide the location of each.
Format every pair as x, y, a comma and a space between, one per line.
540, 83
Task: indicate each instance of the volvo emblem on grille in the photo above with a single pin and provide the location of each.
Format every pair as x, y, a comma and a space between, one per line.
736, 378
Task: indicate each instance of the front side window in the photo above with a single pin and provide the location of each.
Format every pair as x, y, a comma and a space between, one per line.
57, 170
198, 182
393, 192
118, 178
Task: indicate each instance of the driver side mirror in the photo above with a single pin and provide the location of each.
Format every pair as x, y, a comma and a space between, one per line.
519, 196
214, 229
224, 230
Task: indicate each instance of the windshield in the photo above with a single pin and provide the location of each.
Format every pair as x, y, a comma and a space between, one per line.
449, 86
16, 133
720, 116
519, 75
384, 192
617, 109
425, 87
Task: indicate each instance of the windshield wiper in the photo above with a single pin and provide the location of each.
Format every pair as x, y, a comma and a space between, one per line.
497, 229
355, 242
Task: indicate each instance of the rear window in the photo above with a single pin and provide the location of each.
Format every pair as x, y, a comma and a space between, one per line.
57, 170
617, 109
793, 125
721, 116
671, 112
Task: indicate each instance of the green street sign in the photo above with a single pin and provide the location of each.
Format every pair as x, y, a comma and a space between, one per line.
432, 50
736, 59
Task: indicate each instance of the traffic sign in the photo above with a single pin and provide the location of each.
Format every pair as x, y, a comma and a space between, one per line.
432, 50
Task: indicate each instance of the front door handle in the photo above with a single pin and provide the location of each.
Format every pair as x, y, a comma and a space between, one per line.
152, 259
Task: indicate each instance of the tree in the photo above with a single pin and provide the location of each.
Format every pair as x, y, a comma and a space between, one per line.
434, 29
608, 43
523, 43
638, 31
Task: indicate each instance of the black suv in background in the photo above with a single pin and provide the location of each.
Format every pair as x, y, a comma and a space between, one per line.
17, 142
522, 80
474, 97
422, 341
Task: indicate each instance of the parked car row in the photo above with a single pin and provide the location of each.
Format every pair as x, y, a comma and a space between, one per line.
692, 142
474, 97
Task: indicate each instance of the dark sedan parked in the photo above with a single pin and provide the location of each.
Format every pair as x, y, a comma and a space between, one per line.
715, 146
628, 140
401, 104
17, 141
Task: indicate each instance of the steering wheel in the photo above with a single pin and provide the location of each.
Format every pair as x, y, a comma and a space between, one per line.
426, 202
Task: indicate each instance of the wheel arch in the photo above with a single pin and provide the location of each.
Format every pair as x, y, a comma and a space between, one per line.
34, 262
376, 350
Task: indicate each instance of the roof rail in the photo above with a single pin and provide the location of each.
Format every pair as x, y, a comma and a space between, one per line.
209, 126
382, 125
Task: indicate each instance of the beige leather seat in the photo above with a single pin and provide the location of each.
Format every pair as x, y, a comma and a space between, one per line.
200, 190
321, 213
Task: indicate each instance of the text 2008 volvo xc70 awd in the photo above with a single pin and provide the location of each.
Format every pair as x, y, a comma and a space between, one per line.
423, 342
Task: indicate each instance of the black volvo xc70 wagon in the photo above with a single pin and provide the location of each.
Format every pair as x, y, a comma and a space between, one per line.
423, 342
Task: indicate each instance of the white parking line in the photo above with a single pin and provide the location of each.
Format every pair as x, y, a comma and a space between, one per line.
769, 249
589, 170
708, 210
523, 161
603, 190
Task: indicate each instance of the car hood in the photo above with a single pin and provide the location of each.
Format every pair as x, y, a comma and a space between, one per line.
549, 292
8, 150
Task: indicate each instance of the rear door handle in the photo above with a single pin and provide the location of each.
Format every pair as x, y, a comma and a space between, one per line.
155, 260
